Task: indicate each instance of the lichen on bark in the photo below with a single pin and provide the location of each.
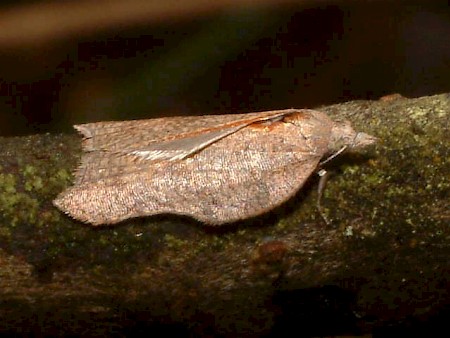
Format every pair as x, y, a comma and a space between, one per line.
389, 209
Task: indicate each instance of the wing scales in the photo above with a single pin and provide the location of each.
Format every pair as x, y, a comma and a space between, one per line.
224, 182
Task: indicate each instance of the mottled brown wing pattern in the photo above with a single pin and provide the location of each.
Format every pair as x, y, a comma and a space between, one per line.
111, 148
128, 136
243, 175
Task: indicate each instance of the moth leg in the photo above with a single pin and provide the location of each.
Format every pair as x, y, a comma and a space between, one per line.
323, 174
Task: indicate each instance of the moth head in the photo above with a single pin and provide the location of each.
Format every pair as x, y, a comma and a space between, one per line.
344, 136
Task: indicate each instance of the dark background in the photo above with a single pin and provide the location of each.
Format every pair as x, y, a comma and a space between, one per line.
216, 60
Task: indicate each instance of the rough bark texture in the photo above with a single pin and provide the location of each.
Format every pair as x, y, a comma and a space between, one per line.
384, 259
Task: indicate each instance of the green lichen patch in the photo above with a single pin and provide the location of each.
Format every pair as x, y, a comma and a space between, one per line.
406, 179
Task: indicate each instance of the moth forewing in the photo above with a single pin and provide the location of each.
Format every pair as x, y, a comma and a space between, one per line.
184, 146
128, 136
178, 149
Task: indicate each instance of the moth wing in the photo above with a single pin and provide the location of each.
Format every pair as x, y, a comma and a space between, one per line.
113, 149
225, 182
215, 203
178, 149
127, 136
252, 194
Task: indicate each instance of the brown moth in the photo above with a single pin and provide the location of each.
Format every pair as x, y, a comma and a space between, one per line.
215, 168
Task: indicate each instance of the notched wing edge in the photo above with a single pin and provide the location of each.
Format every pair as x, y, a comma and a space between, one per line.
88, 135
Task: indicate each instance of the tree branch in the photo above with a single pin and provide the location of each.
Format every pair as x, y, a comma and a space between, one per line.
388, 241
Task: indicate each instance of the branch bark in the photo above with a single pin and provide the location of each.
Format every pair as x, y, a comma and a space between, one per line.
387, 244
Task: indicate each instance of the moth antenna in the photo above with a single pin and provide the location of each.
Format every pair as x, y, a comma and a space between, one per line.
337, 153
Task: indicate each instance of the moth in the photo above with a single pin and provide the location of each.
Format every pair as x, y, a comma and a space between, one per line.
215, 168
